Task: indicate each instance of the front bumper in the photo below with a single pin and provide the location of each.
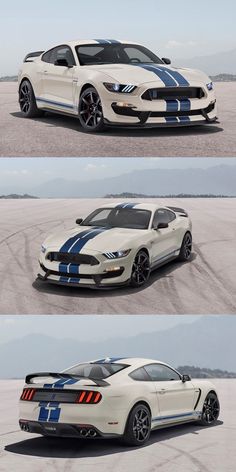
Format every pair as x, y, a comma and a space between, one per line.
107, 273
139, 112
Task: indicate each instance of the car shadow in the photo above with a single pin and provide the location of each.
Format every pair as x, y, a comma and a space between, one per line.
72, 123
77, 448
126, 290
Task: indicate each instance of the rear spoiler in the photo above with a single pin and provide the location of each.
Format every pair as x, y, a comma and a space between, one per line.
32, 55
61, 375
179, 210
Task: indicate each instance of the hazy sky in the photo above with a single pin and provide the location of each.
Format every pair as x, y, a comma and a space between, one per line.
79, 327
177, 29
25, 173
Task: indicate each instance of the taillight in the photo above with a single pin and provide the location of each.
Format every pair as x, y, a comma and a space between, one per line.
88, 397
27, 394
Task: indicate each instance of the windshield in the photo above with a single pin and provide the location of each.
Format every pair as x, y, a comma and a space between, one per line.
96, 370
115, 54
119, 218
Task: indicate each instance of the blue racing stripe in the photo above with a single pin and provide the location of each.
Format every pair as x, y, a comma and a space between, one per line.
185, 105
50, 411
84, 236
184, 119
161, 73
50, 102
107, 41
177, 76
81, 241
127, 205
171, 119
182, 415
172, 105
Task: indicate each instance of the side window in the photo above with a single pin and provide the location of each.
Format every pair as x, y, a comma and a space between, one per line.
60, 52
47, 56
140, 374
163, 216
161, 373
64, 52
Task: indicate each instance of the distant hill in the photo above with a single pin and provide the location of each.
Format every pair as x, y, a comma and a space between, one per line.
7, 78
184, 344
205, 373
16, 196
180, 195
223, 78
213, 64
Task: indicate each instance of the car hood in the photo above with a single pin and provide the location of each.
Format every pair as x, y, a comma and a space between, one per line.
137, 75
93, 240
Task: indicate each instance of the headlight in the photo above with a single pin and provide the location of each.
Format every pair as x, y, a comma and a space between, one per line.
117, 255
43, 249
119, 88
210, 86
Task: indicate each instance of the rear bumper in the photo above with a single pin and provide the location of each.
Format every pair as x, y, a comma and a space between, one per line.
65, 430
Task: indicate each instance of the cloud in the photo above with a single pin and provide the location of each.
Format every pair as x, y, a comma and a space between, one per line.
172, 44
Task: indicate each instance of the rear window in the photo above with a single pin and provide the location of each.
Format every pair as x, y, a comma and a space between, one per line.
98, 371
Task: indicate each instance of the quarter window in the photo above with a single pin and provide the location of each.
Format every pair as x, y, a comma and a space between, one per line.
163, 216
161, 373
140, 374
60, 52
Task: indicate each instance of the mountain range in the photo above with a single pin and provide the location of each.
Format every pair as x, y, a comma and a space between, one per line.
208, 342
219, 63
214, 180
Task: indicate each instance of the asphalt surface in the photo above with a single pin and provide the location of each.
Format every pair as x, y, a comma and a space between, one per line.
205, 285
60, 136
188, 448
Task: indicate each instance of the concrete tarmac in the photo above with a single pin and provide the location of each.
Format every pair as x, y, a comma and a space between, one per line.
60, 136
205, 285
188, 448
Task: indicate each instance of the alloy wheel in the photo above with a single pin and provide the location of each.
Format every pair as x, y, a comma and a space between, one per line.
25, 98
141, 268
187, 246
91, 109
141, 425
211, 409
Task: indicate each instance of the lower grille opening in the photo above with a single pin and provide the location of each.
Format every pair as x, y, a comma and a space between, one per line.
95, 277
177, 93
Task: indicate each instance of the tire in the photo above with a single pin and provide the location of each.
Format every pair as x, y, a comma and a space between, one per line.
90, 111
186, 248
138, 426
140, 269
27, 101
211, 410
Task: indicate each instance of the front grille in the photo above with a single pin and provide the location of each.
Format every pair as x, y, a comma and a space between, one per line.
61, 396
67, 258
177, 93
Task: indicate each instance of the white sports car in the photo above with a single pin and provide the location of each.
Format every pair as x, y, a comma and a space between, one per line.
115, 397
115, 245
110, 82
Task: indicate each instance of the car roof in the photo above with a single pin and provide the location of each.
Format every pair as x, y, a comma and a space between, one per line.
135, 205
81, 42
131, 361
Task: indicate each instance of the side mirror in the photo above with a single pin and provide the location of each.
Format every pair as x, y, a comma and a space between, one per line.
62, 63
79, 221
186, 378
161, 226
166, 60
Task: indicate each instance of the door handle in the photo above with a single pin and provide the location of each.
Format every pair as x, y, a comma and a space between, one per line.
162, 391
45, 71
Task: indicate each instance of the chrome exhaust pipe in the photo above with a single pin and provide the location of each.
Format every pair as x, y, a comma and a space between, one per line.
92, 433
83, 432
